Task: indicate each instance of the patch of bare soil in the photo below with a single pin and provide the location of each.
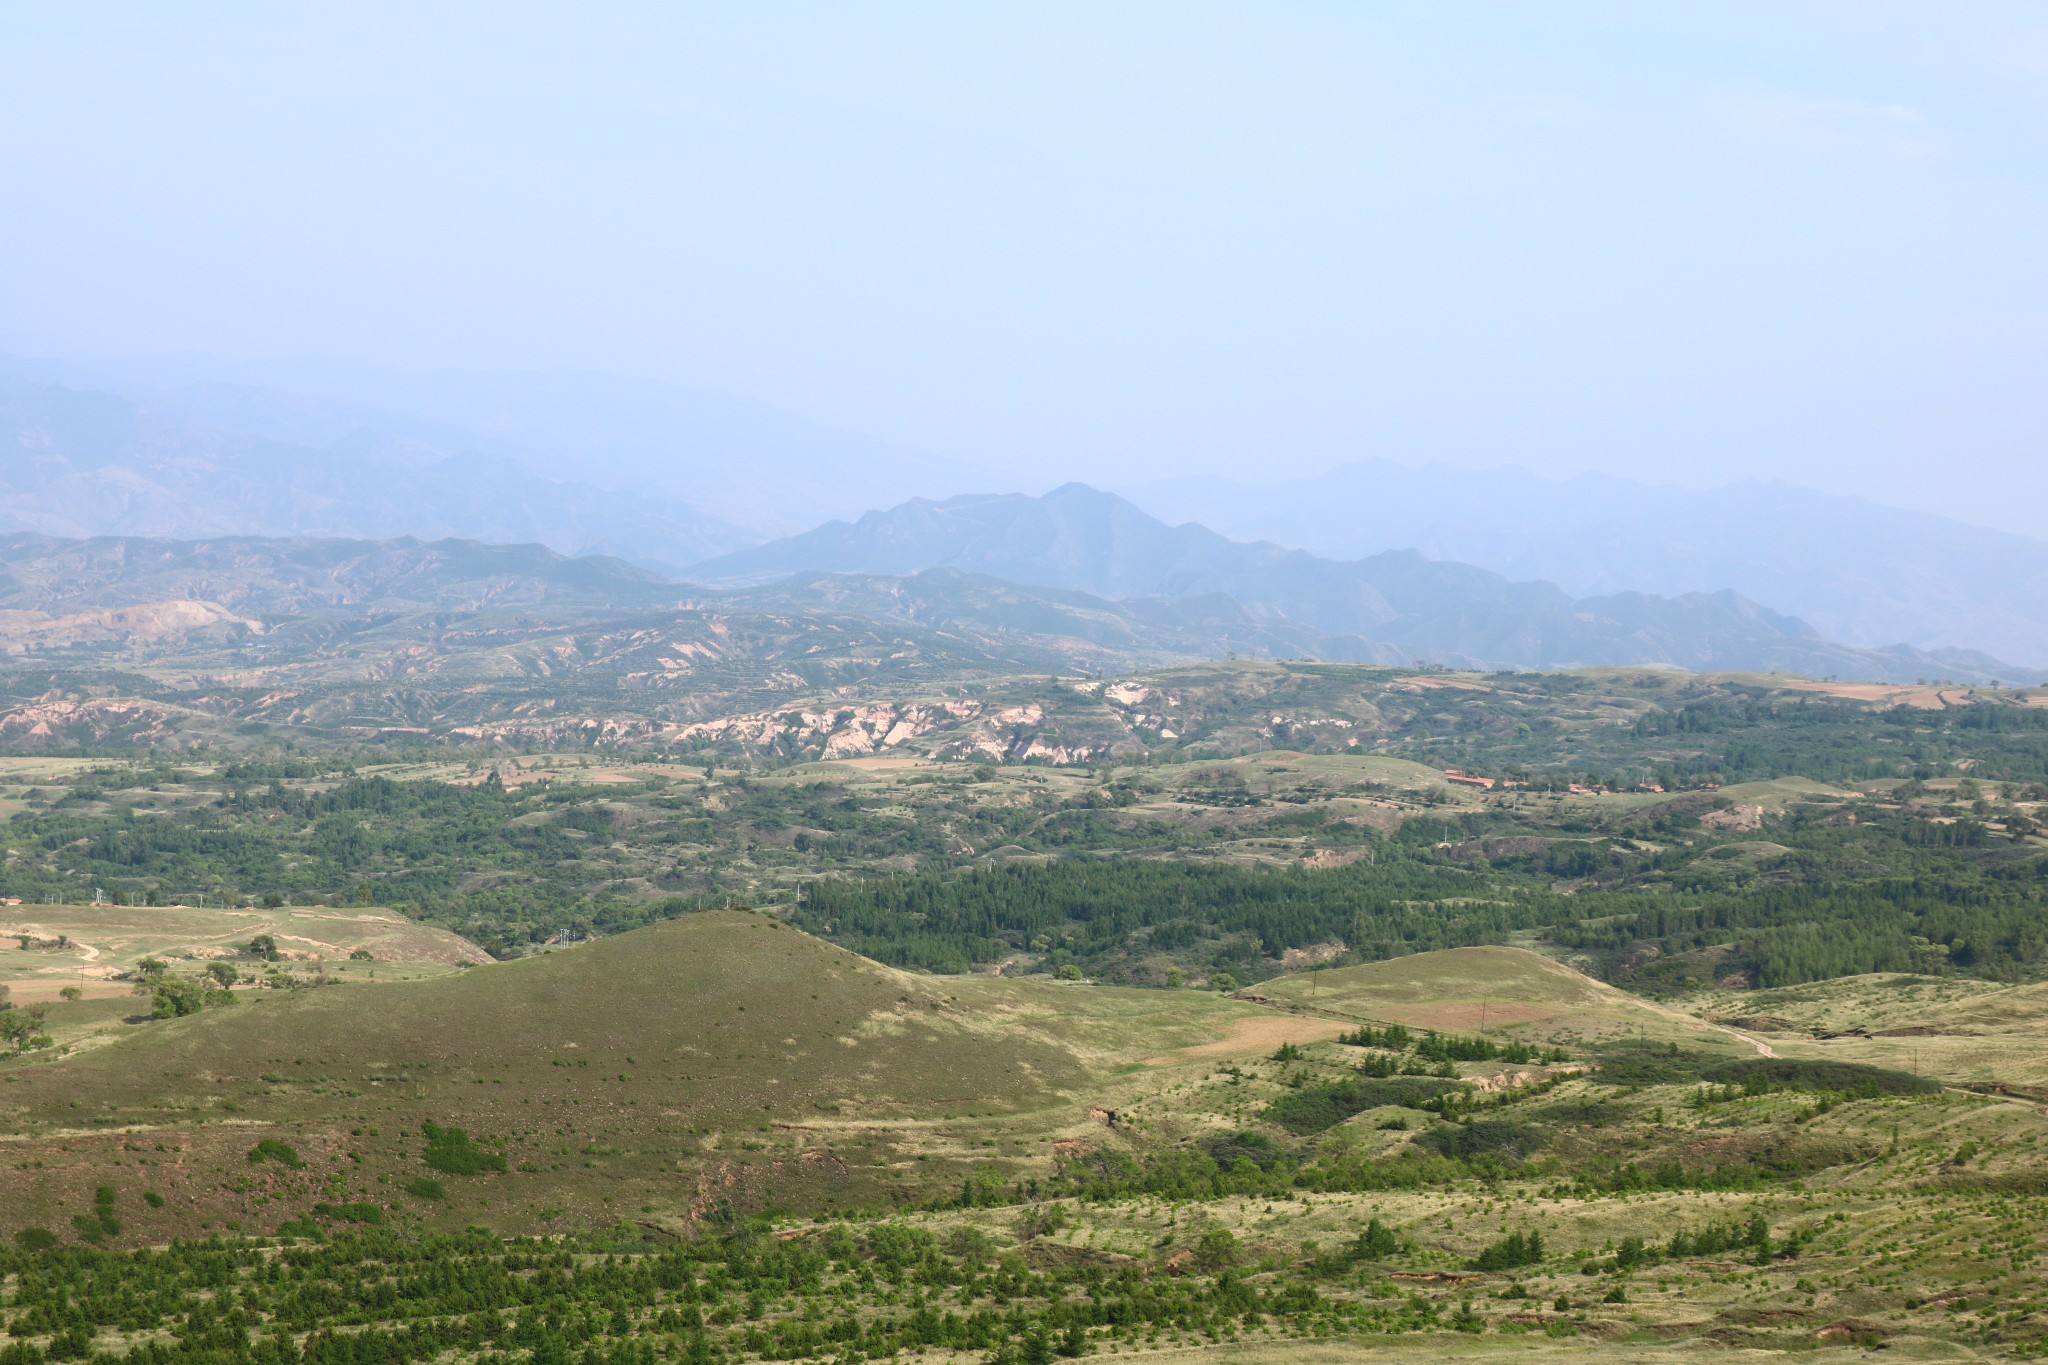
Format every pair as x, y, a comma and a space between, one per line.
1758, 1023
1260, 1034
1294, 959
1469, 1017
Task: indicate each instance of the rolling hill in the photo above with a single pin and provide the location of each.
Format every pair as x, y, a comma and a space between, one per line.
724, 1056
1498, 990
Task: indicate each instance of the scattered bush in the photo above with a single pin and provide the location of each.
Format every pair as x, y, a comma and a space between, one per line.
1501, 1139
1761, 1075
350, 1213
1511, 1252
271, 1149
1314, 1108
449, 1150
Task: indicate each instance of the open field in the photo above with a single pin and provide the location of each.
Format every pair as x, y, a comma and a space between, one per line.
1727, 988
91, 945
1510, 992
728, 1060
677, 1054
1969, 1033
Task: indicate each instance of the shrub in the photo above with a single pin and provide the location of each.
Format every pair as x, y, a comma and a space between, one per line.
1511, 1252
1216, 1248
350, 1213
271, 1149
449, 1150
35, 1239
1759, 1075
174, 997
1640, 1064
1313, 1108
1230, 1148
1377, 1241
1502, 1139
425, 1188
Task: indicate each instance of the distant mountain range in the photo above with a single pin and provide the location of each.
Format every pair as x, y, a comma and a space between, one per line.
327, 609
751, 469
90, 462
586, 464
100, 591
1079, 539
294, 576
1856, 571
1386, 559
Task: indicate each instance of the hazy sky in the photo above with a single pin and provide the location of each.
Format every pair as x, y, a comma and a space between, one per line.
1684, 242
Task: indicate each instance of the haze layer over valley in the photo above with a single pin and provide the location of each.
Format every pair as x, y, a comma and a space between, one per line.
206, 458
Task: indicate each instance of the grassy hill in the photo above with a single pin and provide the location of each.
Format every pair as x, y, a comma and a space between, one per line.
1508, 992
720, 1057
44, 948
669, 1082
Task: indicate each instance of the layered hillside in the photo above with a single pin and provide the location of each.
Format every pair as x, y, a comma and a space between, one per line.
1861, 573
1079, 539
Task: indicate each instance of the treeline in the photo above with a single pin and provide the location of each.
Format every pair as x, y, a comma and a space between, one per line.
457, 856
1846, 900
876, 1291
1097, 913
1990, 921
1737, 739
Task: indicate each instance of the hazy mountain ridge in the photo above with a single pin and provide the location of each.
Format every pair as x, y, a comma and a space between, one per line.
1080, 539
1665, 575
755, 469
1208, 626
64, 592
87, 462
294, 576
1859, 572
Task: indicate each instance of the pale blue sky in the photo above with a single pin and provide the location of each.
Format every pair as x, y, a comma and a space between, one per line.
1689, 242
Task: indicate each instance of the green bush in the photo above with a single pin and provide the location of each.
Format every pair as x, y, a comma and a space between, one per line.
350, 1213
1761, 1074
1511, 1252
1313, 1108
1640, 1064
35, 1239
425, 1188
449, 1150
271, 1149
1501, 1139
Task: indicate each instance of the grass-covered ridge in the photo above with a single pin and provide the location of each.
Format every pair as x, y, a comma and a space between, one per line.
1167, 1168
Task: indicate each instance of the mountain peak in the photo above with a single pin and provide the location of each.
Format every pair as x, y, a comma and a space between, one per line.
1081, 539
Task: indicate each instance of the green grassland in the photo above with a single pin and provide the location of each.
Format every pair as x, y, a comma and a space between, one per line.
725, 1052
1501, 991
1064, 1022
96, 947
676, 1082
